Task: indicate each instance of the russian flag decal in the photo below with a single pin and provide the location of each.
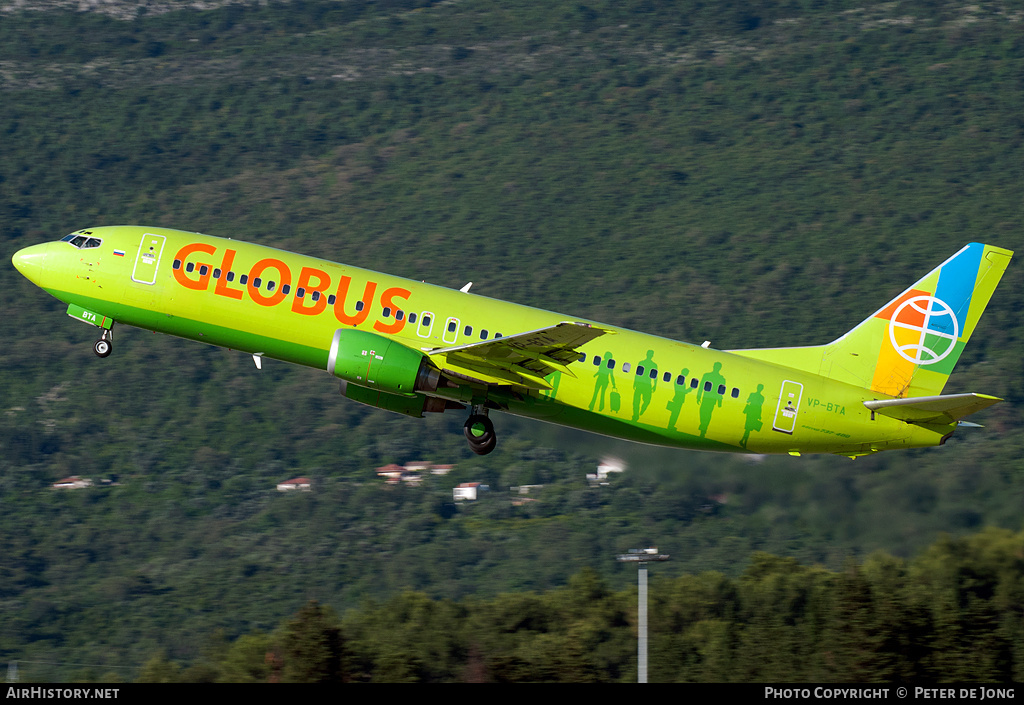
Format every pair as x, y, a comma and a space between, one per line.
119, 253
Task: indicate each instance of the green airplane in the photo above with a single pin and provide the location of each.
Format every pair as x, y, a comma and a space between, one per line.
416, 348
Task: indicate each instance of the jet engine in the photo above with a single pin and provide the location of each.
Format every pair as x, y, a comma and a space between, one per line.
375, 362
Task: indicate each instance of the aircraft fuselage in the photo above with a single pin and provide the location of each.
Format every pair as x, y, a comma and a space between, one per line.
276, 304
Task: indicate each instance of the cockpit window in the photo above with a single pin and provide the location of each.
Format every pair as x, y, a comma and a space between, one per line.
81, 241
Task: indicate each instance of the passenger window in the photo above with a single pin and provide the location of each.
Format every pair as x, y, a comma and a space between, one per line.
707, 386
271, 285
611, 364
721, 389
667, 377
412, 318
735, 393
243, 279
399, 315
469, 330
625, 367
680, 380
426, 321
286, 288
387, 312
256, 283
583, 358
331, 299
176, 264
315, 296
451, 326
190, 267
216, 273
639, 370
230, 277
597, 361
360, 305
654, 374
483, 336
300, 292
203, 270
693, 383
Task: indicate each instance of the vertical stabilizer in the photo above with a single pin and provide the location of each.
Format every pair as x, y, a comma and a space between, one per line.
908, 348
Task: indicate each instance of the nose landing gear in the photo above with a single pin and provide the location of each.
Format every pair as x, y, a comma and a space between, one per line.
480, 431
105, 344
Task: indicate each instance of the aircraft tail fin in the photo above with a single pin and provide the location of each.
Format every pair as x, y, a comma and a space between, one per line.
908, 348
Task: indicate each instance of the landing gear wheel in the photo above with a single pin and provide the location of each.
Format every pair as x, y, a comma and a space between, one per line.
102, 347
480, 433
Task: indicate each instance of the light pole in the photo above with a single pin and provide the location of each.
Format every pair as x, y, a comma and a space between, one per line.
641, 556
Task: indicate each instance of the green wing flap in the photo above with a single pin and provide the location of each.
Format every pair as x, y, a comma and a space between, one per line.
524, 359
946, 409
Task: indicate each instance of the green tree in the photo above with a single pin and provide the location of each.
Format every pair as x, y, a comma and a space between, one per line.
311, 647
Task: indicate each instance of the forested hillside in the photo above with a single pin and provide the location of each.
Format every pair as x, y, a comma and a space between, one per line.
947, 616
750, 173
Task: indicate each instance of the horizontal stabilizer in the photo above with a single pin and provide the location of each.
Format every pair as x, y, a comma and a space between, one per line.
945, 409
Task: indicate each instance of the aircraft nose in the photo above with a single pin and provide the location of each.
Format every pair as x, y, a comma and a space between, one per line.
31, 260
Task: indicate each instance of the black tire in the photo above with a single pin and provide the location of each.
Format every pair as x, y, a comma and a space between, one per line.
485, 448
102, 347
480, 442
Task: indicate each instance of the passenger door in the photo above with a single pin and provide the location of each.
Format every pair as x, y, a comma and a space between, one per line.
788, 407
147, 260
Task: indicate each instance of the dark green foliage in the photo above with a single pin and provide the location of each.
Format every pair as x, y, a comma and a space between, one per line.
311, 647
878, 622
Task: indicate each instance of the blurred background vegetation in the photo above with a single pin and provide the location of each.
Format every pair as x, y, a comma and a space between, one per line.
752, 173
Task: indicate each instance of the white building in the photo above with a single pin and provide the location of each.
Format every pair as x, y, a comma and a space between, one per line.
468, 491
297, 483
604, 469
72, 483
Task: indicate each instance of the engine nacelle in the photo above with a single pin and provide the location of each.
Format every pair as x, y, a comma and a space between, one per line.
375, 362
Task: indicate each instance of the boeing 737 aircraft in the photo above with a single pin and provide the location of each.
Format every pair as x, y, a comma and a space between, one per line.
415, 348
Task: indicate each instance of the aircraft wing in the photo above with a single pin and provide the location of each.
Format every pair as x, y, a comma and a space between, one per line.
945, 409
524, 359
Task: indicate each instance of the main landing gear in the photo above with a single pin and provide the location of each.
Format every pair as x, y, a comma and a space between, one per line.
105, 344
480, 431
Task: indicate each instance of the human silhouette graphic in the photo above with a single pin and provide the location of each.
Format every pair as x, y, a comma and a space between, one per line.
753, 413
643, 386
604, 377
676, 405
709, 396
554, 378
